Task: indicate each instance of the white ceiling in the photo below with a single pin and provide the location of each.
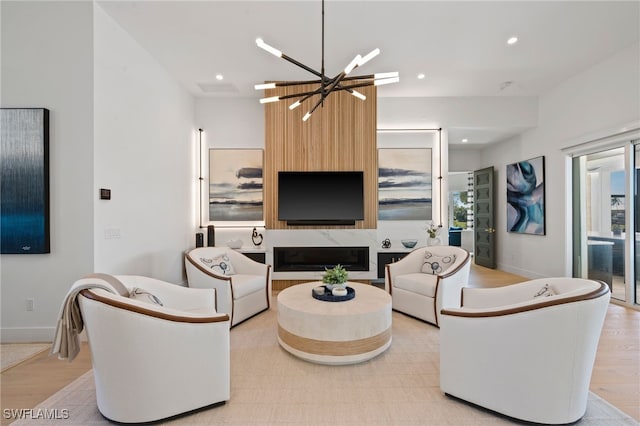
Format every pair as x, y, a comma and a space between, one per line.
460, 46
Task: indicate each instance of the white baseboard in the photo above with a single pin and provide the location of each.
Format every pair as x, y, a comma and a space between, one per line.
519, 271
26, 334
31, 335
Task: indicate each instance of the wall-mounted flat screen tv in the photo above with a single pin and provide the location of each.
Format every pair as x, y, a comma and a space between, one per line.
321, 198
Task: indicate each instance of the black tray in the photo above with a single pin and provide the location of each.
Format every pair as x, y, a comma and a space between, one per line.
328, 297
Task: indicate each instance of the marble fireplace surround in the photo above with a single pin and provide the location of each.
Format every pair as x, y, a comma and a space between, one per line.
371, 238
323, 238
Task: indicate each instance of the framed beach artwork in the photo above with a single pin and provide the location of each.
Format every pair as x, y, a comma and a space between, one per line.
404, 184
525, 197
235, 184
24, 187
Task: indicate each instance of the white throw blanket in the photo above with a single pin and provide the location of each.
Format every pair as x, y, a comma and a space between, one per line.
70, 323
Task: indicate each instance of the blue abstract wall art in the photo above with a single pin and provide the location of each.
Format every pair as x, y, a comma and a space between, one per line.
24, 188
525, 197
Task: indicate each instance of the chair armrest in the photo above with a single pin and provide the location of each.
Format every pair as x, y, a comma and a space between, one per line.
501, 296
409, 264
451, 285
245, 265
153, 310
460, 263
241, 263
414, 261
221, 279
173, 295
524, 306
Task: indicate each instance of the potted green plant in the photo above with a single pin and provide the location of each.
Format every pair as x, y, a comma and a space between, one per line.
433, 231
617, 229
335, 277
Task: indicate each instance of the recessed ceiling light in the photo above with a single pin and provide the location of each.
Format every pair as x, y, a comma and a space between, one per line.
512, 40
465, 140
219, 77
421, 76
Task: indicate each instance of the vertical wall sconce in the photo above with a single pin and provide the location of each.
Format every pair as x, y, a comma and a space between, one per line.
440, 178
200, 178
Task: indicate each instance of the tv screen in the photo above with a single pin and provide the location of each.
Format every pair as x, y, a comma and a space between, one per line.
320, 198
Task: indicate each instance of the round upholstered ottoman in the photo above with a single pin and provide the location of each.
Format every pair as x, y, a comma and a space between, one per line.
344, 332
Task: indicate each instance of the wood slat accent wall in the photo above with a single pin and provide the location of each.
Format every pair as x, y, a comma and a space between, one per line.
341, 136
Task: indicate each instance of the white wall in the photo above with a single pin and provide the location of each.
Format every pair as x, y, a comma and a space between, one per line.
145, 146
464, 160
47, 61
600, 98
231, 123
499, 112
473, 112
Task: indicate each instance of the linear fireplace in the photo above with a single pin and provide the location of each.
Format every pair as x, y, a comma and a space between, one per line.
290, 259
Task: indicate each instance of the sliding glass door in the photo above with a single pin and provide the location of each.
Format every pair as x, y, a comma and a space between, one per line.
636, 218
605, 217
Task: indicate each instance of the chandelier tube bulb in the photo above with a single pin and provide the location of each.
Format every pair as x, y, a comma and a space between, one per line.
261, 44
369, 56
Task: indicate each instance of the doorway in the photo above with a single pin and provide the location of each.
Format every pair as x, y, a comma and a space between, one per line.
483, 217
460, 210
605, 218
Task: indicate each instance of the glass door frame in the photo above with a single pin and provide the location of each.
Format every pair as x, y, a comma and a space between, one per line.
624, 138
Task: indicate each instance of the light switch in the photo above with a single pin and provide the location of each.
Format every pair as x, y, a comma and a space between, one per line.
112, 233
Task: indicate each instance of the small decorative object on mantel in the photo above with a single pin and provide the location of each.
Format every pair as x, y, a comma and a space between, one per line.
433, 232
617, 230
256, 238
234, 244
409, 243
335, 277
386, 243
211, 236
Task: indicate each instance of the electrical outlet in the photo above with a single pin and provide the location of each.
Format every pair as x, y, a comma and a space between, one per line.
30, 304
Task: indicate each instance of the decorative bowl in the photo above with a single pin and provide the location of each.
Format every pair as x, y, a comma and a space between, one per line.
339, 291
320, 290
234, 244
409, 243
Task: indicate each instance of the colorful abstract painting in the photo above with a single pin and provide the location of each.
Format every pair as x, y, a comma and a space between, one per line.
235, 185
24, 185
404, 184
525, 197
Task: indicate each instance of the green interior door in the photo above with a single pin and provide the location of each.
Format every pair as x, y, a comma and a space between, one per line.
484, 231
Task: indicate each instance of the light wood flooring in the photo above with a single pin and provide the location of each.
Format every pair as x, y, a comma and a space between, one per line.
616, 373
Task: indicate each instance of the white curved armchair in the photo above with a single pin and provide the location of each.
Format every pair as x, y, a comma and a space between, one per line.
427, 280
243, 286
151, 361
525, 350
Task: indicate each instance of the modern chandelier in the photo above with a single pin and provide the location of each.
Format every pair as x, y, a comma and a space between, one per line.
326, 85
